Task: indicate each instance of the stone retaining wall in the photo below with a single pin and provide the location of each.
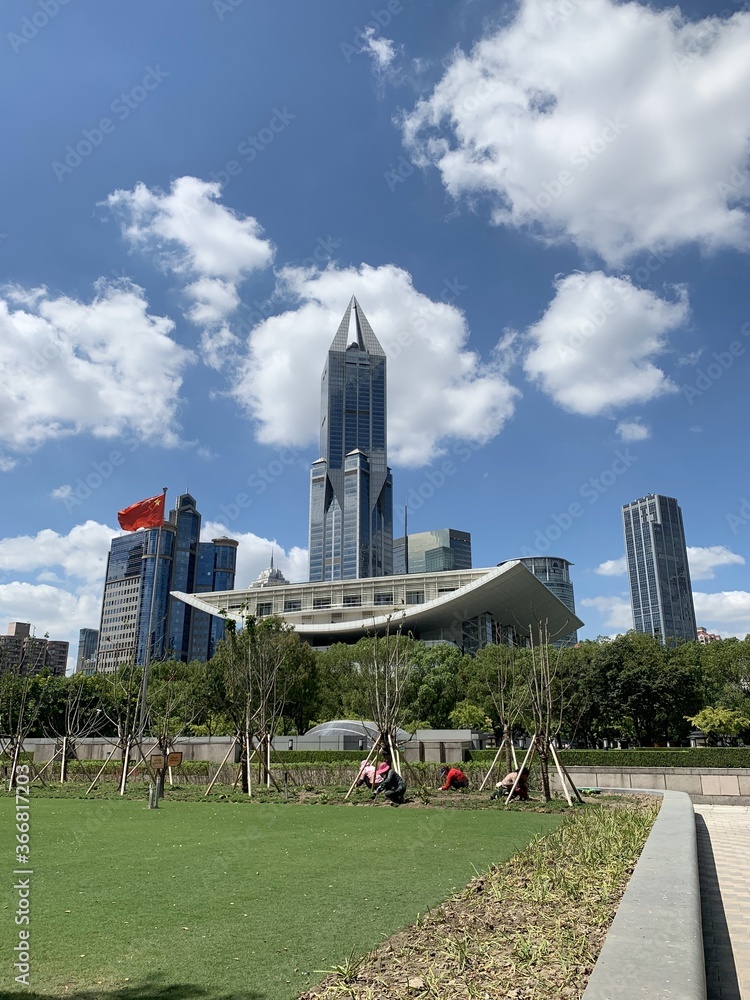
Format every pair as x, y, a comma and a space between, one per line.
654, 948
715, 785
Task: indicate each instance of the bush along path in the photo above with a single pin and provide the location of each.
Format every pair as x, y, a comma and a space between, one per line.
530, 928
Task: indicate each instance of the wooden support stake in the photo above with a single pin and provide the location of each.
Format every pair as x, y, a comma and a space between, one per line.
101, 769
567, 775
560, 775
373, 750
215, 777
529, 754
492, 765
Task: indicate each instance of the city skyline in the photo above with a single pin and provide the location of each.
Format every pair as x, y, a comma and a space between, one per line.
555, 274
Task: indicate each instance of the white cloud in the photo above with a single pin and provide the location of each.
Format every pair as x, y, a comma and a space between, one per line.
381, 50
426, 343
202, 241
106, 367
632, 430
616, 610
81, 554
612, 567
727, 612
703, 561
620, 127
254, 555
592, 349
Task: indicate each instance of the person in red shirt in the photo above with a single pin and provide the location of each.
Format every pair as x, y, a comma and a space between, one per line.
453, 777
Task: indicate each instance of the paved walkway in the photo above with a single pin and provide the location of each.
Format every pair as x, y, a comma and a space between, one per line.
724, 863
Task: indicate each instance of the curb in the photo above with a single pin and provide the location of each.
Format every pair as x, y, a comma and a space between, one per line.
654, 948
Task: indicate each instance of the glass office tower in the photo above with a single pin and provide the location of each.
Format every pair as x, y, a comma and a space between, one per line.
434, 551
351, 488
660, 592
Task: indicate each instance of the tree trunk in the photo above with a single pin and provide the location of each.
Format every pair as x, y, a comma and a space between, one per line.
542, 749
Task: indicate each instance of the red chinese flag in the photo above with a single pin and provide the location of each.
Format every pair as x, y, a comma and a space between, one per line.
144, 514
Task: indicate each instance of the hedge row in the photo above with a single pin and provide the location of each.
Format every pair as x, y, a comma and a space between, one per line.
645, 757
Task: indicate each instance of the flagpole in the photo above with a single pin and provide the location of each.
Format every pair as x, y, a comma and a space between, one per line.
147, 664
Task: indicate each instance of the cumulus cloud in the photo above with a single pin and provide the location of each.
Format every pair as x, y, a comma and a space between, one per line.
426, 343
69, 580
704, 560
614, 125
632, 430
616, 610
612, 567
592, 350
254, 555
727, 612
210, 247
81, 554
105, 367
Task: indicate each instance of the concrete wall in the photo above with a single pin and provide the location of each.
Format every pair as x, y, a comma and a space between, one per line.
654, 948
725, 786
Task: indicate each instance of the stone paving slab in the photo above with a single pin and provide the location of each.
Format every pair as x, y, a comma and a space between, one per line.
724, 865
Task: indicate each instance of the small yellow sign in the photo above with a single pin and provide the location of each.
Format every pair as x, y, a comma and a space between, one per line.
174, 759
157, 760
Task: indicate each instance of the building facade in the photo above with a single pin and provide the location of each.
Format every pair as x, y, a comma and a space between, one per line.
554, 573
432, 551
140, 621
661, 596
351, 487
468, 608
88, 641
24, 653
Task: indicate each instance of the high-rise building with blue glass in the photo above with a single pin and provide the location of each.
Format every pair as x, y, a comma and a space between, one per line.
140, 620
351, 488
661, 596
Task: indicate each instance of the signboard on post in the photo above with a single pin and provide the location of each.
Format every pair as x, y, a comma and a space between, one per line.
174, 759
157, 761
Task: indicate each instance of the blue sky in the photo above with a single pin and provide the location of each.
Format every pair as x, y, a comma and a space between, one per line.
542, 209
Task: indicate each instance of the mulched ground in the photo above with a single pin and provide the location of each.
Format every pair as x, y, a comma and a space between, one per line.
530, 929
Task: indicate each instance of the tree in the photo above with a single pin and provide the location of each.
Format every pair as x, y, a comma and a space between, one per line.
499, 669
258, 667
719, 722
385, 668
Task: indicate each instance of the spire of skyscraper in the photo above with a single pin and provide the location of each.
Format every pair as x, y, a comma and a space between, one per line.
351, 501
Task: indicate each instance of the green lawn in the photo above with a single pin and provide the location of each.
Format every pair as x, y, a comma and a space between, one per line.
227, 900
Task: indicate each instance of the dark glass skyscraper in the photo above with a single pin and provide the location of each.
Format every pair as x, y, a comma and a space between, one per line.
660, 592
351, 488
139, 623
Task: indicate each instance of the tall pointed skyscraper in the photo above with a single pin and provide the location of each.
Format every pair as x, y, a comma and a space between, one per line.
351, 489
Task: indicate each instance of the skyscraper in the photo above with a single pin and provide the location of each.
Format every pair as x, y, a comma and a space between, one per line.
140, 620
660, 593
435, 551
88, 640
351, 488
